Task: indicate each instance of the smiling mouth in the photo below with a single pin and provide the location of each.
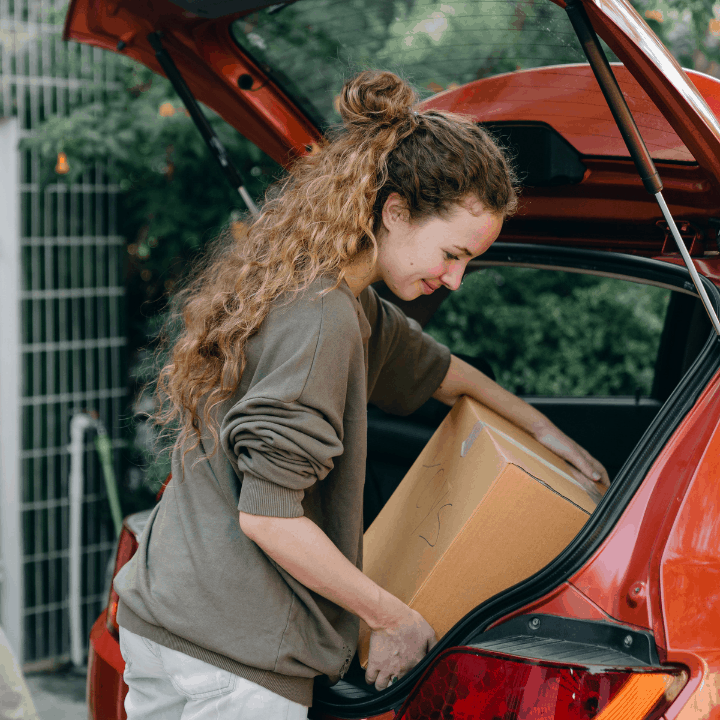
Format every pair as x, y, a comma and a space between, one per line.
428, 287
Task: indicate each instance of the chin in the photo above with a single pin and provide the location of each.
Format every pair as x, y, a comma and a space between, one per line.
407, 294
404, 292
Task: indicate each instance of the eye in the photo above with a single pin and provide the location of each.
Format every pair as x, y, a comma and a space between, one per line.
450, 256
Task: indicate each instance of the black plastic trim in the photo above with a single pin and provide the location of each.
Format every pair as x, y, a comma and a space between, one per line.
541, 156
206, 130
598, 261
559, 639
613, 504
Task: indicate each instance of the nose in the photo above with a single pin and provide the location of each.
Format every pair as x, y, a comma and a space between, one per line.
453, 276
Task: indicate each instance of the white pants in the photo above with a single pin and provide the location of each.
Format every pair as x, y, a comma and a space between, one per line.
165, 684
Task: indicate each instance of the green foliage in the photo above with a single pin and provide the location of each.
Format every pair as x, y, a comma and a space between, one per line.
554, 333
174, 195
690, 29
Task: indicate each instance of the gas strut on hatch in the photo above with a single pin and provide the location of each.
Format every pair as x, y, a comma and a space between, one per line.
629, 130
206, 130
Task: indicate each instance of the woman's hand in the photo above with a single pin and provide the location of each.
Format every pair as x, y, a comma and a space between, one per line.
464, 379
401, 637
396, 648
586, 469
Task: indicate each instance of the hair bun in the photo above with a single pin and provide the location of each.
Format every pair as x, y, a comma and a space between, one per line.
375, 97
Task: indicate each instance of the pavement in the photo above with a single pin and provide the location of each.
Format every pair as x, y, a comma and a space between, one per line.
59, 695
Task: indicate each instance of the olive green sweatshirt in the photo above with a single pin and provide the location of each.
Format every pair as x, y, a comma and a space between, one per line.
293, 442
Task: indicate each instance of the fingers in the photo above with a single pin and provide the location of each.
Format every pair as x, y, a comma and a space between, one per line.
371, 674
592, 488
586, 464
562, 445
599, 473
396, 650
604, 480
380, 676
383, 680
583, 461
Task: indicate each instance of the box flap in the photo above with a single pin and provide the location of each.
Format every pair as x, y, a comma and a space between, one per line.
533, 455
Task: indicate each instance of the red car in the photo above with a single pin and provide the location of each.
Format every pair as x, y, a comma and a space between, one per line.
625, 622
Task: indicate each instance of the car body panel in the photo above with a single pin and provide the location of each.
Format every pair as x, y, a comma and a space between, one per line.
568, 98
700, 698
218, 63
609, 209
690, 564
630, 557
709, 266
106, 688
209, 60
566, 601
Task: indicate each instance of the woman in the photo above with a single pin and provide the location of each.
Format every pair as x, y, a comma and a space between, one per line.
247, 583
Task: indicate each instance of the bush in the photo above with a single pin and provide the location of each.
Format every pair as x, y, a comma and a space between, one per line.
556, 333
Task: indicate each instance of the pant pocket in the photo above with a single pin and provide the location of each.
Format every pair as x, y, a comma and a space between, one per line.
152, 646
196, 679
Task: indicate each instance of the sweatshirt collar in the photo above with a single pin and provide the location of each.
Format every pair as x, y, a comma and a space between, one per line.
365, 330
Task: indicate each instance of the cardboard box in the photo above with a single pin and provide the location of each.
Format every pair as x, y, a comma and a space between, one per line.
483, 507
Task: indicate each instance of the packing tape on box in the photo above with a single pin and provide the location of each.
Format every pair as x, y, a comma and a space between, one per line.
480, 426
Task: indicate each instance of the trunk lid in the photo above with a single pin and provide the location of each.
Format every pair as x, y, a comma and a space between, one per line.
273, 72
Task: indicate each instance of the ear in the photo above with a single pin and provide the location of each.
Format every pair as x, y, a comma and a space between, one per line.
394, 212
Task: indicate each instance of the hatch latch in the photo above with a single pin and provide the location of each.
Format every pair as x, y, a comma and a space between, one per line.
692, 236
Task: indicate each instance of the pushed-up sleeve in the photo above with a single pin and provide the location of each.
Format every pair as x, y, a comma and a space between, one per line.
283, 434
406, 365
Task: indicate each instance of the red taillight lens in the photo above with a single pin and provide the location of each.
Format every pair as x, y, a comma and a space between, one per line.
127, 546
468, 683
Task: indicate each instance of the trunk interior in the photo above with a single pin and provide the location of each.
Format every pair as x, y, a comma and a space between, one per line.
609, 426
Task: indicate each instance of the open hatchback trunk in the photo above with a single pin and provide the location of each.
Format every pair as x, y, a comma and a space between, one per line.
272, 70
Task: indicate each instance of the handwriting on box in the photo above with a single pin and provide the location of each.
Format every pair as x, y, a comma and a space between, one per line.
432, 503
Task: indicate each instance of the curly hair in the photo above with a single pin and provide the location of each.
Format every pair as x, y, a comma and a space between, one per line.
315, 222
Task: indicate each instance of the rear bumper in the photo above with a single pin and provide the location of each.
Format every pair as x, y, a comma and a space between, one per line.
106, 689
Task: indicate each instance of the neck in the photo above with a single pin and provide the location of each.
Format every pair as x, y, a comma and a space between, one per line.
360, 273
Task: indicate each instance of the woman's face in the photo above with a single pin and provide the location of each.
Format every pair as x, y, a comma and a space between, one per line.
417, 258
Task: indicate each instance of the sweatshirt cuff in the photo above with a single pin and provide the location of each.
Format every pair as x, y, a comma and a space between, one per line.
260, 497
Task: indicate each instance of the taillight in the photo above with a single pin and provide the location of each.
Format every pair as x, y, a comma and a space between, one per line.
127, 546
468, 683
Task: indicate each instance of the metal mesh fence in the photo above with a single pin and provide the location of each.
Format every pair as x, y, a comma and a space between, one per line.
72, 329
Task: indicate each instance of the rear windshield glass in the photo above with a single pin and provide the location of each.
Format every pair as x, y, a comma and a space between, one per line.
315, 45
310, 47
